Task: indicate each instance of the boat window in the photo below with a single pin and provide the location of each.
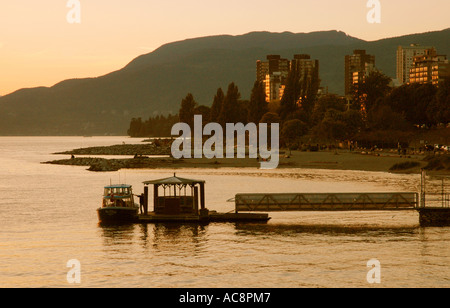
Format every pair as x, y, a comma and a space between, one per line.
117, 191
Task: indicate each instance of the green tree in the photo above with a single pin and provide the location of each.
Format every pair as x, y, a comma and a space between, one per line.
205, 112
353, 123
332, 127
324, 103
413, 101
339, 125
257, 106
374, 87
242, 112
270, 118
135, 127
292, 131
158, 126
382, 117
216, 107
311, 85
230, 107
423, 96
300, 93
439, 109
289, 103
188, 105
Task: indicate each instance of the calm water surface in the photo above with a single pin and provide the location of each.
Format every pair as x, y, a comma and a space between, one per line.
48, 217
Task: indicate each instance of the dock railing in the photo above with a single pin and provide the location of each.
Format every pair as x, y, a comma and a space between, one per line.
436, 200
326, 202
434, 191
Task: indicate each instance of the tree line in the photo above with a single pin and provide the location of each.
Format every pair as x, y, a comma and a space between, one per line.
305, 116
158, 126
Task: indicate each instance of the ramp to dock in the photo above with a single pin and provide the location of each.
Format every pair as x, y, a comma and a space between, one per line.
326, 202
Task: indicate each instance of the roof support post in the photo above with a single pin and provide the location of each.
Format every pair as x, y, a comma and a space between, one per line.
145, 200
155, 196
202, 196
195, 200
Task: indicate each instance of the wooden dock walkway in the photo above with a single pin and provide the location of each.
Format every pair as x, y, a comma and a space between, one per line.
182, 200
326, 202
392, 201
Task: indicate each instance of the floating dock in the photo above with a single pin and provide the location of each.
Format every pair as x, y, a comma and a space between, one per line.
319, 202
182, 200
327, 202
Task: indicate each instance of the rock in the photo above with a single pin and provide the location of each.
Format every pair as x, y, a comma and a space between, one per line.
122, 149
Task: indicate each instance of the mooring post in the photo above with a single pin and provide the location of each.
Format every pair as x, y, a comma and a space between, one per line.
422, 189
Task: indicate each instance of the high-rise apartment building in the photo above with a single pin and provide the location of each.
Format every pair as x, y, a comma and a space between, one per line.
357, 67
429, 68
307, 67
274, 71
405, 60
273, 74
273, 64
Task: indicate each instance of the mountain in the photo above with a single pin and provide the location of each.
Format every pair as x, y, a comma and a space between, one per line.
156, 82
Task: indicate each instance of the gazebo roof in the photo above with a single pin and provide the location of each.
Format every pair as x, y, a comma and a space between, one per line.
174, 180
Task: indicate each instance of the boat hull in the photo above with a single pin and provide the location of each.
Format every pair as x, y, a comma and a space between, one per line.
117, 215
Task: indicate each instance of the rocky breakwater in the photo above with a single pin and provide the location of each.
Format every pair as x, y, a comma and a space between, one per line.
144, 156
122, 149
104, 165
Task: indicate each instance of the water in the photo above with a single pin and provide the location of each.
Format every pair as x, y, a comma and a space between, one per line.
48, 217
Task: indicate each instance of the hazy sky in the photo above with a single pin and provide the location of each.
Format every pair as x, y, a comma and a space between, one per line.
39, 47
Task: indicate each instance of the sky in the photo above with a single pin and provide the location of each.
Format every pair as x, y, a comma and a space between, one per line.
40, 47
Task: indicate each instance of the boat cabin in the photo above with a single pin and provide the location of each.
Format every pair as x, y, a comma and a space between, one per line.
118, 196
176, 196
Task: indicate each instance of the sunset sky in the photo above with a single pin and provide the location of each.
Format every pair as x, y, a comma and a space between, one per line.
38, 47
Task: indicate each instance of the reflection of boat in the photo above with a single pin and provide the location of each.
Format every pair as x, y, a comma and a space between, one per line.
118, 205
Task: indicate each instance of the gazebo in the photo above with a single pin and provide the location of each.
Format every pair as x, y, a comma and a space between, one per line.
176, 196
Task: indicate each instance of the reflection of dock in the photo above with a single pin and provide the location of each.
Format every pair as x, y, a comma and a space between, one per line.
152, 217
211, 217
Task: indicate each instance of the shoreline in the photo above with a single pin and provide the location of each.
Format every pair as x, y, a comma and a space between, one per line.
148, 156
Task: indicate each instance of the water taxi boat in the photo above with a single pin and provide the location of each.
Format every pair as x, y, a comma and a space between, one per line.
118, 205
